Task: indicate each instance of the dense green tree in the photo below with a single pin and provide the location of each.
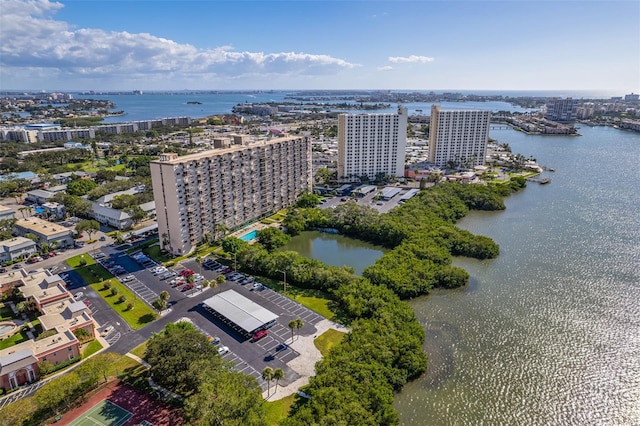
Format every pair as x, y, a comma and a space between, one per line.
97, 367
232, 244
308, 201
173, 351
80, 187
88, 226
272, 238
123, 201
105, 176
136, 213
6, 228
224, 397
17, 413
58, 393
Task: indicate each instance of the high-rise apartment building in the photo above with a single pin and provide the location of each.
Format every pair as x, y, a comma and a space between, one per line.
229, 186
562, 110
458, 137
369, 144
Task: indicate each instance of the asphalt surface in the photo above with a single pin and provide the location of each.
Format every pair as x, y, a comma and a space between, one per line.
248, 357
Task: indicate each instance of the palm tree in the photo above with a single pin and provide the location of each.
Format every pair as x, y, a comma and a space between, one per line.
295, 324
278, 375
267, 375
164, 295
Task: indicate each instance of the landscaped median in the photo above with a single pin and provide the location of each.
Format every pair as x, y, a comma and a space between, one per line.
134, 311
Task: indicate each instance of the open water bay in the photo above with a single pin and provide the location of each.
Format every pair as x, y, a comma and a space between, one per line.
549, 332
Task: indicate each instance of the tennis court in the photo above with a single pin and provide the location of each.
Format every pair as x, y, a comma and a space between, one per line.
104, 413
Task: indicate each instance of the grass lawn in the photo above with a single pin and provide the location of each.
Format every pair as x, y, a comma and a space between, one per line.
95, 275
5, 312
156, 254
14, 340
92, 348
328, 340
139, 316
124, 365
139, 350
315, 300
278, 410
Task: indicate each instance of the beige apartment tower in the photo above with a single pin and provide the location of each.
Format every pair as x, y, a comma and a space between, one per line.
369, 144
458, 137
235, 183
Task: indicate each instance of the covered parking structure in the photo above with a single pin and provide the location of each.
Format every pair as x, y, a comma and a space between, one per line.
242, 314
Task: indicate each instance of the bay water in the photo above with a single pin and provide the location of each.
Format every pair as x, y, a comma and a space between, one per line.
549, 332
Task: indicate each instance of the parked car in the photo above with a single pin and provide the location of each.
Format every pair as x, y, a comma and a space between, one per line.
103, 238
214, 340
187, 287
108, 330
78, 295
281, 347
223, 350
178, 283
259, 335
186, 272
128, 278
257, 286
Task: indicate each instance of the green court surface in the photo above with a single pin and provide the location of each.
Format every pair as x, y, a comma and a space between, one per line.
104, 413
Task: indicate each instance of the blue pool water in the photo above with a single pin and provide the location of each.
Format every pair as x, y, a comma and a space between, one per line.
39, 210
250, 236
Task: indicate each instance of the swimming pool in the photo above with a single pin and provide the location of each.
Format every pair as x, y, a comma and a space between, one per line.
250, 236
39, 210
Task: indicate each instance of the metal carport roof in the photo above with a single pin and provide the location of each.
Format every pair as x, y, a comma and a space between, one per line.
243, 312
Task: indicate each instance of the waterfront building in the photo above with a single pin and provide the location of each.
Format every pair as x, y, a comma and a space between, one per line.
458, 137
562, 110
199, 194
370, 144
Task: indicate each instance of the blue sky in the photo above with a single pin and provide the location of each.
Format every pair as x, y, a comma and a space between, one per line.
403, 45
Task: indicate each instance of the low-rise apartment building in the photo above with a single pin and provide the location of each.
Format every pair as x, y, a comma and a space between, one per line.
229, 186
19, 364
46, 232
16, 248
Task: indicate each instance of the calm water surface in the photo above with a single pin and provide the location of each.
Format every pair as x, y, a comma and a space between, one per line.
549, 332
336, 250
159, 105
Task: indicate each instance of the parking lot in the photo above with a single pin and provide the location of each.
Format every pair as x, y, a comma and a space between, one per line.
369, 200
249, 357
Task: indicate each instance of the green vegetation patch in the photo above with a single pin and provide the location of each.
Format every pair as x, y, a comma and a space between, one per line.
156, 253
5, 312
88, 269
93, 347
328, 340
278, 410
139, 316
139, 350
14, 340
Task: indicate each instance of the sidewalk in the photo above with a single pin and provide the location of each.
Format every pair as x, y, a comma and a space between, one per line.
304, 364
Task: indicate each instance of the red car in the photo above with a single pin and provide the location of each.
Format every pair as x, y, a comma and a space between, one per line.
187, 272
259, 335
187, 287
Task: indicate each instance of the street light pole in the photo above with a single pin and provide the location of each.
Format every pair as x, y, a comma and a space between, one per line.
285, 279
235, 268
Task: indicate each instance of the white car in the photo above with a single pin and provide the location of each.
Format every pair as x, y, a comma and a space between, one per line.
108, 330
78, 295
223, 350
128, 278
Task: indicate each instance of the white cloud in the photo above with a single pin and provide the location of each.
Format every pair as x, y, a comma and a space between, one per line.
410, 59
385, 68
33, 40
